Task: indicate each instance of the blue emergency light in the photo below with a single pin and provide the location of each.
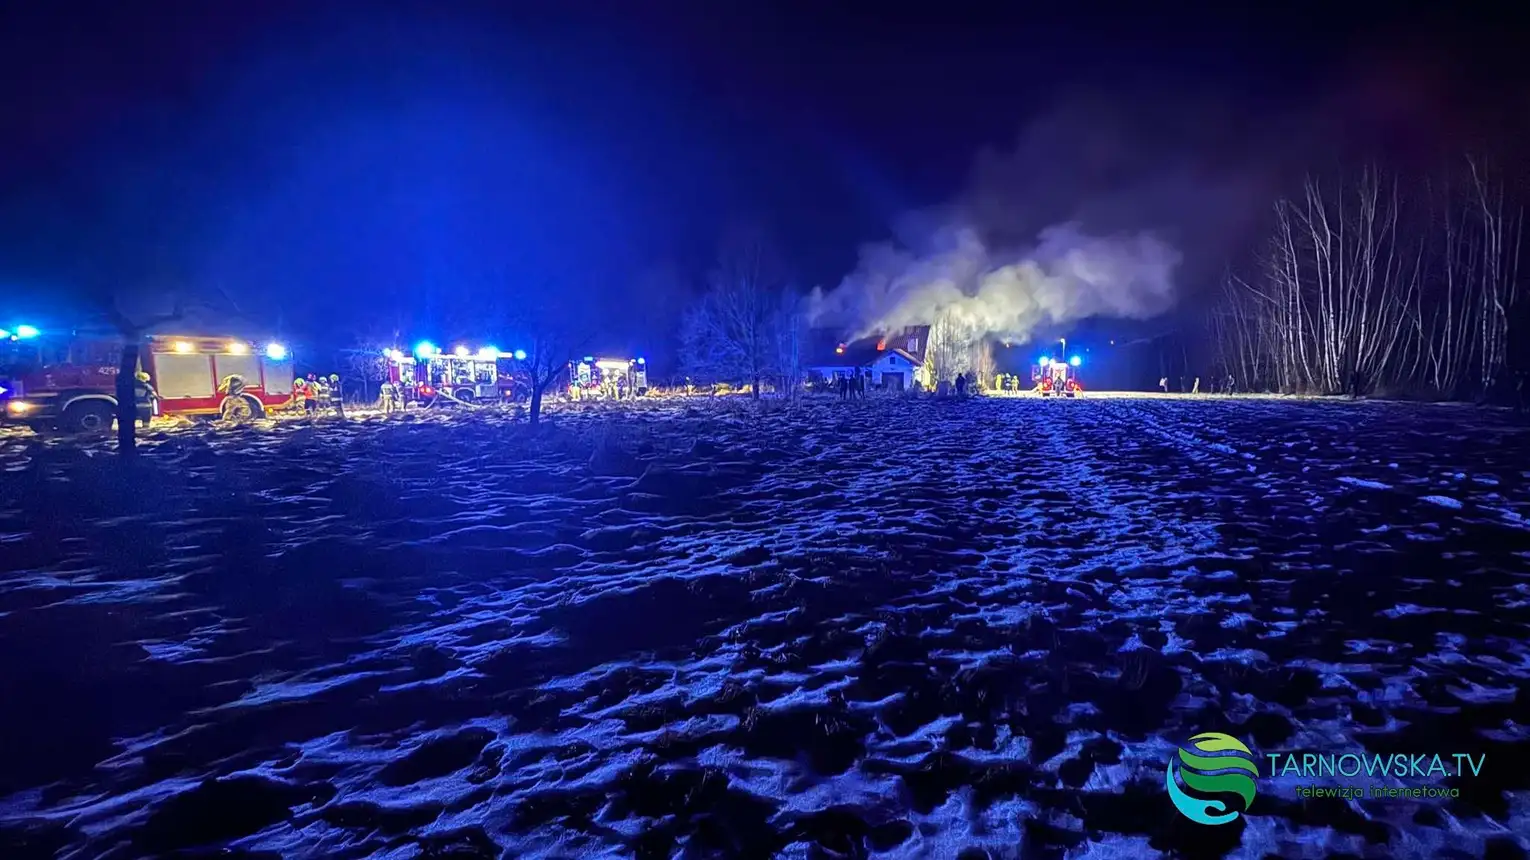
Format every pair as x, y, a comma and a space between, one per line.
424, 349
26, 331
1075, 361
520, 355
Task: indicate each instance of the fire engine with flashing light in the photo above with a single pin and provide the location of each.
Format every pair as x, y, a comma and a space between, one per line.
607, 378
467, 376
1057, 378
68, 381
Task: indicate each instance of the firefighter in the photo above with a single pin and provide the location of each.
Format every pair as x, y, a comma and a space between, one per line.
1196, 388
144, 398
387, 396
1232, 384
1163, 384
336, 401
235, 408
297, 397
311, 393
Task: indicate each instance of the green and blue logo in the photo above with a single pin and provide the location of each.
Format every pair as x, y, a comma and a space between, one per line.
1221, 764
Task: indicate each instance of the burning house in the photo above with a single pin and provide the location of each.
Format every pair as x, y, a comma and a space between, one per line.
894, 361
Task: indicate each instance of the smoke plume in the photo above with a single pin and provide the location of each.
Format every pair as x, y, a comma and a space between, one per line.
1088, 216
1064, 277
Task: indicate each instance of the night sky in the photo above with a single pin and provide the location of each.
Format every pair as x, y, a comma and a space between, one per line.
375, 166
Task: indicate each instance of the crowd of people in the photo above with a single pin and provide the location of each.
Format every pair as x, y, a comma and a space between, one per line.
312, 396
853, 386
1192, 385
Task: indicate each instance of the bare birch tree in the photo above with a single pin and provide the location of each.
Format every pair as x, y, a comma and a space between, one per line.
790, 330
950, 348
1362, 282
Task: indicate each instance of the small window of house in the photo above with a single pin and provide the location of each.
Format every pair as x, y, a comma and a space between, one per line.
913, 344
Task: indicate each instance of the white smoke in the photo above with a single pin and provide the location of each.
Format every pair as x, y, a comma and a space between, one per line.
1064, 277
1107, 206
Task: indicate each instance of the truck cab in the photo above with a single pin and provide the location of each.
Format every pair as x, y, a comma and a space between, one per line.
47, 381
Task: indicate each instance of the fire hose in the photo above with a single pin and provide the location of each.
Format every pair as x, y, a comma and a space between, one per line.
440, 393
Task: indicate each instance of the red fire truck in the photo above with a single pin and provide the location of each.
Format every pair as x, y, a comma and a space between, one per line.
607, 378
463, 376
70, 382
1056, 378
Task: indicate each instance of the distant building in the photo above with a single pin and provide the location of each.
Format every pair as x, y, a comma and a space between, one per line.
895, 361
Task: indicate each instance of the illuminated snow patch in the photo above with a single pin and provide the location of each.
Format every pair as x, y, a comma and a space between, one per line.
1361, 482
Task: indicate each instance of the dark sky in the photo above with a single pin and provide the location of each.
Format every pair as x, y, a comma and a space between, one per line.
348, 160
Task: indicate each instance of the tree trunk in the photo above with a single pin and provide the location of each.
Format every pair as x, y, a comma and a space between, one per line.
127, 401
536, 401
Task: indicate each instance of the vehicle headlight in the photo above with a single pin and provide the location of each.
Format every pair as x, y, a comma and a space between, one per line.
18, 407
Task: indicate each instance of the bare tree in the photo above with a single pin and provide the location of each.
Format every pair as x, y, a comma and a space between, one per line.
555, 333
1361, 283
950, 350
133, 333
367, 366
790, 330
733, 334
983, 363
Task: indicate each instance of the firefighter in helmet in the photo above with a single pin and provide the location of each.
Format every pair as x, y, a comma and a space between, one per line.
335, 400
387, 396
235, 408
144, 398
298, 397
312, 393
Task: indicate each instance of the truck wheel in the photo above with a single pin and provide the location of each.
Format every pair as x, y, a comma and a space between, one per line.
92, 416
257, 409
465, 395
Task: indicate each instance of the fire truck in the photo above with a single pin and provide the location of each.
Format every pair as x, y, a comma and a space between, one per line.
69, 382
607, 378
466, 376
1056, 378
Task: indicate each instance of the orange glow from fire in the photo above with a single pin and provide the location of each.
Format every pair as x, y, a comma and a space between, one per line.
839, 350
881, 344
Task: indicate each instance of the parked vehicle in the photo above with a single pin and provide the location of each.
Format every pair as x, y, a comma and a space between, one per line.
1054, 378
68, 382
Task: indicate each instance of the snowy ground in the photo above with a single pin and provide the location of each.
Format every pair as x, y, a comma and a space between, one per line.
889, 628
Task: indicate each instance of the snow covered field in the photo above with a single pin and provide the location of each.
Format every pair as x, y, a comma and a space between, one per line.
887, 628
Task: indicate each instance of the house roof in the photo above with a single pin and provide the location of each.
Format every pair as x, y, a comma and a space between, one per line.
856, 353
864, 352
